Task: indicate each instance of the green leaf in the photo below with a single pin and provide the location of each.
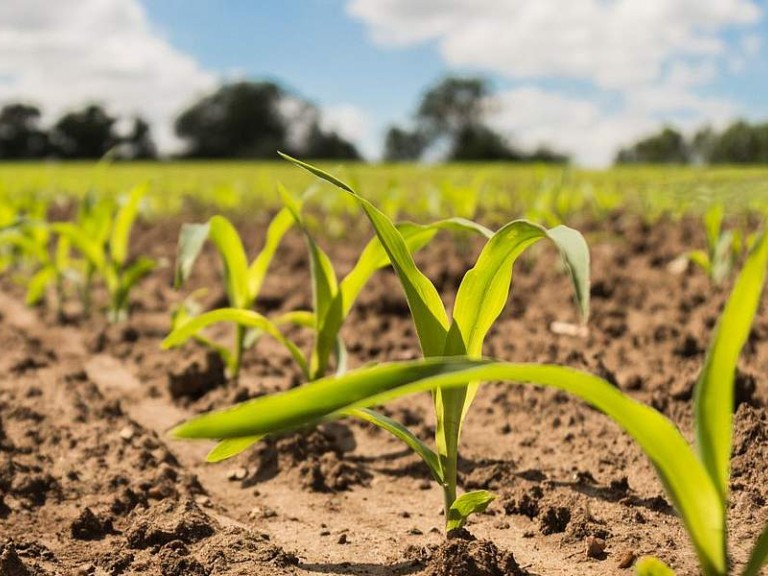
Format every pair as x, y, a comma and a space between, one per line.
651, 566
324, 283
230, 247
398, 430
374, 257
701, 259
481, 297
342, 357
27, 244
231, 447
713, 223
123, 223
424, 301
466, 505
245, 318
714, 396
82, 241
759, 555
302, 318
39, 283
96, 220
280, 224
575, 253
722, 258
327, 307
136, 272
191, 240
686, 480
62, 254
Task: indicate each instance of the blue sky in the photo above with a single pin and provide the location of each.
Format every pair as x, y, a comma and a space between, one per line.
585, 76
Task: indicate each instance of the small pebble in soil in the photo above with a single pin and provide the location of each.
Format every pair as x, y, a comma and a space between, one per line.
127, 433
627, 559
415, 532
425, 485
262, 512
203, 501
237, 474
595, 547
343, 539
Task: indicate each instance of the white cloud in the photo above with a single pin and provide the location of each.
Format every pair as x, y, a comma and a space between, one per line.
616, 43
652, 57
62, 55
351, 123
537, 117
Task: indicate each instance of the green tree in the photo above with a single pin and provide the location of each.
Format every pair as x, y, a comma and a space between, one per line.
20, 134
667, 147
238, 120
451, 117
401, 145
476, 142
328, 145
255, 120
87, 133
139, 143
452, 106
741, 143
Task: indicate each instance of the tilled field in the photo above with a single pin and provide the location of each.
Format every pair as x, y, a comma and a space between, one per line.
90, 483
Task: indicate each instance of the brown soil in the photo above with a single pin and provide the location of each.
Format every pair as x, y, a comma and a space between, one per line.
91, 484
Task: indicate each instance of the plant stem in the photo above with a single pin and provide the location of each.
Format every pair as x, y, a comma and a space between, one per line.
237, 360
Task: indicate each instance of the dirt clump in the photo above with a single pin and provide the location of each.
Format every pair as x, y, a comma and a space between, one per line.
464, 555
167, 522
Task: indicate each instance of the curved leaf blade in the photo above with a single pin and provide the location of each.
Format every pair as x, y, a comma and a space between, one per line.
91, 250
278, 227
123, 223
230, 247
466, 505
231, 447
684, 477
401, 432
652, 566
244, 318
714, 395
191, 240
427, 309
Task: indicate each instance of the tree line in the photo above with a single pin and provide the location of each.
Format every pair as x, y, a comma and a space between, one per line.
239, 120
254, 119
738, 143
86, 133
451, 117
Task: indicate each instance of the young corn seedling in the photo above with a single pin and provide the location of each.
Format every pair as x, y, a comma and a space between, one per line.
101, 234
332, 299
696, 478
28, 242
481, 298
724, 248
243, 282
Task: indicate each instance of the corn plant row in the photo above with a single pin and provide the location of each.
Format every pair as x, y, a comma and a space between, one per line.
94, 248
74, 255
694, 477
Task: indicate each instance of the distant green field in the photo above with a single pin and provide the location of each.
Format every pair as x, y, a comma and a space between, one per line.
544, 192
